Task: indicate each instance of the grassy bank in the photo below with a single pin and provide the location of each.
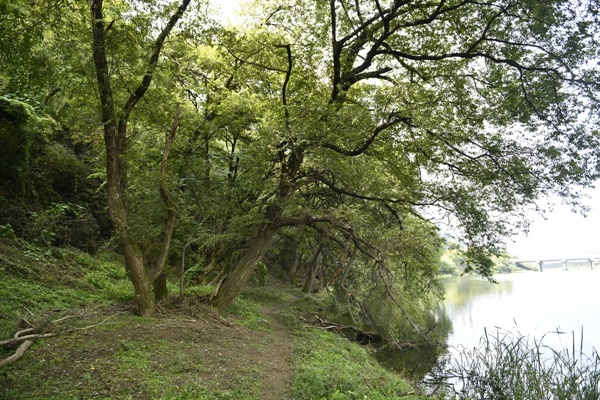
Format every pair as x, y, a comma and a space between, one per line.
99, 349
41, 280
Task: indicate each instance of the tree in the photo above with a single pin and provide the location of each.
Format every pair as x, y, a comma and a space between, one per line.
472, 109
115, 138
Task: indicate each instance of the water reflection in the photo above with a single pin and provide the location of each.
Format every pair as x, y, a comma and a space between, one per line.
462, 291
532, 303
418, 362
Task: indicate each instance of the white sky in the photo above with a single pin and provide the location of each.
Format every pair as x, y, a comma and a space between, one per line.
227, 7
563, 234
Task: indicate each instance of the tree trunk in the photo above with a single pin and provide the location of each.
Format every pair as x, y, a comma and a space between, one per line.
235, 280
294, 269
134, 263
115, 139
312, 271
160, 287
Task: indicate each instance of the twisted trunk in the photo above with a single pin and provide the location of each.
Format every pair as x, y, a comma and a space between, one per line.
233, 282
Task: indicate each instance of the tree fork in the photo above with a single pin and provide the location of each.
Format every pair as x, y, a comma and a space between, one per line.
115, 135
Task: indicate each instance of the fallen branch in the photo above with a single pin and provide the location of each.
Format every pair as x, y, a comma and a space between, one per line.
361, 335
23, 331
18, 354
20, 339
103, 322
27, 340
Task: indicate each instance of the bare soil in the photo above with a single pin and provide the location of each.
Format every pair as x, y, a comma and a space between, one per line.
187, 345
279, 368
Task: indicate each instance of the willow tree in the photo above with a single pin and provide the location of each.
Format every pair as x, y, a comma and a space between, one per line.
115, 120
473, 109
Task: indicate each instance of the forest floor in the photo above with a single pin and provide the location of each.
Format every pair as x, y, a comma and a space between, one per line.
187, 350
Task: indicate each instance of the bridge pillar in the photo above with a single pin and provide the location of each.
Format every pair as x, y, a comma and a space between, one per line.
565, 265
541, 268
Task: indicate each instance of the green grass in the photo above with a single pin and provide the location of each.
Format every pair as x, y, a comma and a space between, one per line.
39, 280
327, 365
125, 359
331, 367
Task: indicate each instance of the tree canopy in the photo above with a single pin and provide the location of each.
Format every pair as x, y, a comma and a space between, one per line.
327, 139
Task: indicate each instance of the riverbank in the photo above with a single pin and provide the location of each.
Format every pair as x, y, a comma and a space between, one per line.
263, 347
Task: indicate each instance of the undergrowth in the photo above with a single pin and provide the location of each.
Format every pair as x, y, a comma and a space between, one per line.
42, 279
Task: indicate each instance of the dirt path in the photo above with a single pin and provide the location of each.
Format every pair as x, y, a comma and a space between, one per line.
278, 364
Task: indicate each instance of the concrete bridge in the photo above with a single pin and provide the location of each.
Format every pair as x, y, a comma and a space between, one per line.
564, 261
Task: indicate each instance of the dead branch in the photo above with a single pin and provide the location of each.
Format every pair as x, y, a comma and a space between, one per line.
62, 319
18, 354
103, 322
27, 340
19, 339
364, 335
19, 333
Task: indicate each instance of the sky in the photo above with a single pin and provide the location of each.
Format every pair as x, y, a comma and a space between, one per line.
561, 234
227, 8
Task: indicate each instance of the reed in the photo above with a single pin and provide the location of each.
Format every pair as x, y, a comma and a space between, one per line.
509, 365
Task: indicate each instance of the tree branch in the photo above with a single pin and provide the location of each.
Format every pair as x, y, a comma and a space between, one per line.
392, 120
356, 195
167, 199
139, 92
288, 73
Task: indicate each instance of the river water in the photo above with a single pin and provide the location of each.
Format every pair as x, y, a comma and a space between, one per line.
530, 303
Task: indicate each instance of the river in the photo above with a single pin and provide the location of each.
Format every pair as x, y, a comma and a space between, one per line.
531, 303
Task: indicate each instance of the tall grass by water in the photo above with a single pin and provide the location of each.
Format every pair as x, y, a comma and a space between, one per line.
509, 365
